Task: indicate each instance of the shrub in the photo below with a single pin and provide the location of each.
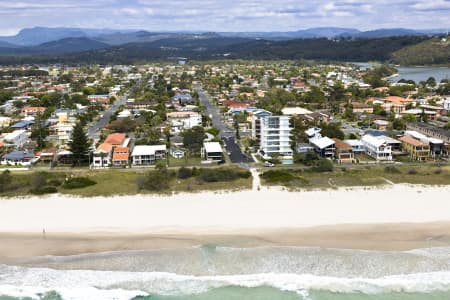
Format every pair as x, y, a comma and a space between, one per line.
5, 180
184, 173
245, 174
277, 176
215, 175
391, 170
78, 183
44, 190
412, 172
323, 165
157, 180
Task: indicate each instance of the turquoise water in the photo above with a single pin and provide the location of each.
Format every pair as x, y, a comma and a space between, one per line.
264, 293
214, 273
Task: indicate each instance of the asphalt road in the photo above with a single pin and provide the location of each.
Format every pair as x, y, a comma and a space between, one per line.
226, 133
94, 130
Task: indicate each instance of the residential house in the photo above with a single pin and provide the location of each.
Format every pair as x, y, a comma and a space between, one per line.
446, 104
23, 124
177, 152
117, 139
377, 147
102, 156
120, 156
396, 104
436, 145
5, 122
180, 120
99, 99
212, 151
343, 152
304, 148
357, 146
295, 111
396, 145
359, 107
32, 110
18, 138
324, 146
381, 124
275, 137
420, 112
416, 149
182, 99
319, 117
18, 158
47, 155
143, 155
431, 131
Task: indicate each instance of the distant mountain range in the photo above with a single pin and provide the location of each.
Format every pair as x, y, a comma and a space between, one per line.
75, 45
39, 35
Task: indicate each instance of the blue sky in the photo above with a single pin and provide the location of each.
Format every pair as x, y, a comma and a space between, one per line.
226, 15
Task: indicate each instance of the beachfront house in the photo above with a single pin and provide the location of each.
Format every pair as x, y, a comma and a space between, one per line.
120, 156
144, 155
436, 145
102, 156
416, 149
343, 152
377, 148
324, 146
18, 158
357, 146
212, 151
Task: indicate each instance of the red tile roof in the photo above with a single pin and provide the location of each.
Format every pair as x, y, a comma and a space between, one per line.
115, 139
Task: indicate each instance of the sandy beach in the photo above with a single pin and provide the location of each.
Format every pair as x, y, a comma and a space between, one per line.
392, 217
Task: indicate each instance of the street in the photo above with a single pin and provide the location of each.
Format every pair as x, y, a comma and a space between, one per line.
226, 133
104, 119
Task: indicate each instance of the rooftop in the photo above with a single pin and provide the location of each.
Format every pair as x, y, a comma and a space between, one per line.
211, 147
412, 141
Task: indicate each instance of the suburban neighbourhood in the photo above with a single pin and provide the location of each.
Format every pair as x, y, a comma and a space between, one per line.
276, 114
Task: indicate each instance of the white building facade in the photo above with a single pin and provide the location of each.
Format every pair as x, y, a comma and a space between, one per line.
275, 137
377, 147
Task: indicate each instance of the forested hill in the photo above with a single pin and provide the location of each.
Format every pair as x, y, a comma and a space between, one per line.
430, 52
404, 50
379, 49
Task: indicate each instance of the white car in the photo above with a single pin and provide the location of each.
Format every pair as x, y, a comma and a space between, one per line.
268, 164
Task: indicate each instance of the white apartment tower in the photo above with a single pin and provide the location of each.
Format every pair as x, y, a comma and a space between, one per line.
275, 137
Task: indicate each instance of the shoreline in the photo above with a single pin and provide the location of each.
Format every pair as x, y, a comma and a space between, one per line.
26, 247
397, 217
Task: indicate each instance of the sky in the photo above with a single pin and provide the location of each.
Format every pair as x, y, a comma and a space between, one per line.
225, 15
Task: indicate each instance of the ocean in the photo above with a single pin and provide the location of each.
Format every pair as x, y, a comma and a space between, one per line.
212, 272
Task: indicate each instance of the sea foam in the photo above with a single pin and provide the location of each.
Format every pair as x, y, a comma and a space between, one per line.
83, 284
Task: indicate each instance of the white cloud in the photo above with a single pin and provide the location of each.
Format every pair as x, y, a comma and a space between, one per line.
218, 15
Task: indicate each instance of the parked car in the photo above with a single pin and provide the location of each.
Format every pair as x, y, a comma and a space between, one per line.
268, 164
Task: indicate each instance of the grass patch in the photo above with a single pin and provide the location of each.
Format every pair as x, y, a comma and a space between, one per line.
78, 183
358, 175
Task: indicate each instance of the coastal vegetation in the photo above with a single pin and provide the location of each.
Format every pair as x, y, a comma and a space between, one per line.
89, 183
348, 176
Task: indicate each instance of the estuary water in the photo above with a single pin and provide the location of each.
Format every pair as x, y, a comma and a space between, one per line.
211, 272
421, 73
415, 73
